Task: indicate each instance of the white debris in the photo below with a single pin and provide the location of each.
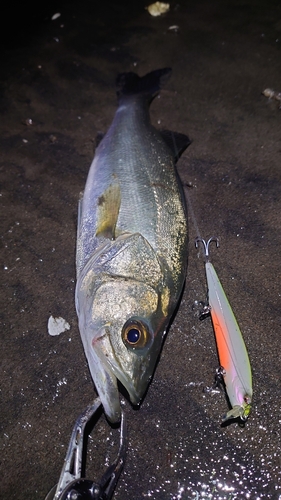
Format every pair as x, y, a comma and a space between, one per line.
272, 94
55, 16
175, 28
56, 326
158, 8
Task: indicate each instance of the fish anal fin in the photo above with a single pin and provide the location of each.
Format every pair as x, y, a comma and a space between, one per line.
108, 210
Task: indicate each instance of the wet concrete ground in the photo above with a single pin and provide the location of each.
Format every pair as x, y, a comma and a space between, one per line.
60, 74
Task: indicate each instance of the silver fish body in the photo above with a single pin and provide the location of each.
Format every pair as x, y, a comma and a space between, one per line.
131, 246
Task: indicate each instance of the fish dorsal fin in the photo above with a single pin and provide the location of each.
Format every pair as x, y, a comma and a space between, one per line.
108, 210
176, 142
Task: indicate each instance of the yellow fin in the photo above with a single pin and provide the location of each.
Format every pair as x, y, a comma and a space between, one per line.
108, 210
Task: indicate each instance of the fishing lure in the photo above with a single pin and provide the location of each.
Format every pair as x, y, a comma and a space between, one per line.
234, 360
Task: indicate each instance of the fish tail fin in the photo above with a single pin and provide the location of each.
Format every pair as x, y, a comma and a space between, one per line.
148, 86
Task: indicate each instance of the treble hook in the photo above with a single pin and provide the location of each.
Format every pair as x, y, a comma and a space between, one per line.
206, 245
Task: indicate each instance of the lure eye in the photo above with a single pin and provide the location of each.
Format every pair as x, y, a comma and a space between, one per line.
247, 399
135, 334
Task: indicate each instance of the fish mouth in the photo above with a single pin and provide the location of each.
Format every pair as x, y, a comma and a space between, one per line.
106, 370
106, 385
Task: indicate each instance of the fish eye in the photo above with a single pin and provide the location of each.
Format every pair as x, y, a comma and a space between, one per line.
135, 334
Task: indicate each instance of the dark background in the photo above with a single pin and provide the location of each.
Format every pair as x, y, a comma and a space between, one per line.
60, 74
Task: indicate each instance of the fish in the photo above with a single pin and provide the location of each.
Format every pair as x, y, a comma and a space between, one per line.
132, 237
235, 368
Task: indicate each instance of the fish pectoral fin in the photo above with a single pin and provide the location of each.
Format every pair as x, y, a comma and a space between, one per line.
108, 210
176, 142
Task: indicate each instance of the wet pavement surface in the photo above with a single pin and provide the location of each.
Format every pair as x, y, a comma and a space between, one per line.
57, 93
